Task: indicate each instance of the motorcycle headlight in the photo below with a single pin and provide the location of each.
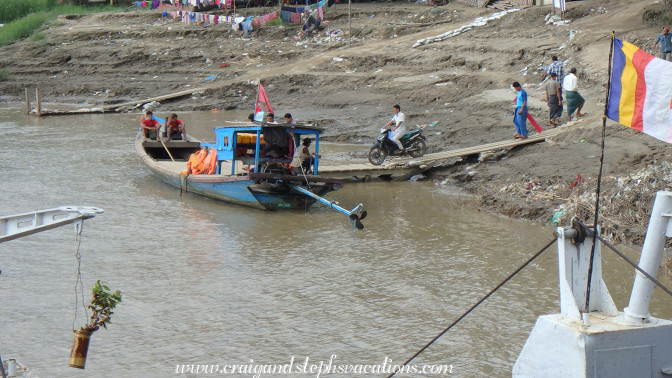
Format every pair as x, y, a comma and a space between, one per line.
381, 137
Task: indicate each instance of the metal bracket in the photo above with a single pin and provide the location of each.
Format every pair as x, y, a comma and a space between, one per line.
78, 224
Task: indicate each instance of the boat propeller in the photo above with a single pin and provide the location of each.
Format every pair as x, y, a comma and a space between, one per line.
356, 220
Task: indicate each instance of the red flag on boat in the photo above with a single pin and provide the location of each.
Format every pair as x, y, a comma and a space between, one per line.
262, 97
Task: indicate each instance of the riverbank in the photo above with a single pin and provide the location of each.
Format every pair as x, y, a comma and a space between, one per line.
462, 82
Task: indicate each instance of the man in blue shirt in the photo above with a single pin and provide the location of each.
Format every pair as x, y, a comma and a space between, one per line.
520, 115
665, 39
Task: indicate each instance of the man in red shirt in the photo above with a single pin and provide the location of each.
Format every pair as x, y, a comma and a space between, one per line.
150, 127
176, 128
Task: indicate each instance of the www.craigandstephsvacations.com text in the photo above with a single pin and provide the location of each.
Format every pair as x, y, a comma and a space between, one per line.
315, 369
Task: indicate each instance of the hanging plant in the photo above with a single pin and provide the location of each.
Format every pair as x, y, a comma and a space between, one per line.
102, 303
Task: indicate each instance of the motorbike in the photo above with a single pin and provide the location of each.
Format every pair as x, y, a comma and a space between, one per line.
414, 144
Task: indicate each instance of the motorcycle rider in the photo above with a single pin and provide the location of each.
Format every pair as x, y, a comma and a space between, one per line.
397, 126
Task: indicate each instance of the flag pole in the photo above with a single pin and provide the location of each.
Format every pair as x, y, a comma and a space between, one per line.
599, 176
256, 100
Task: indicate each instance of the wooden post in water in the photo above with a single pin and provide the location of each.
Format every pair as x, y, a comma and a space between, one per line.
27, 101
37, 100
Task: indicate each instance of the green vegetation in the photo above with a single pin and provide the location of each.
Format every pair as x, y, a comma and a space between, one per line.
37, 36
23, 17
22, 27
11, 10
276, 22
102, 304
4, 74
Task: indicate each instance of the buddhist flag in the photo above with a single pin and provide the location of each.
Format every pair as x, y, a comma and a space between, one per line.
261, 97
640, 94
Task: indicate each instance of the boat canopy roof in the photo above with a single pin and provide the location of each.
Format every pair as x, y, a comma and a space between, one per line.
247, 127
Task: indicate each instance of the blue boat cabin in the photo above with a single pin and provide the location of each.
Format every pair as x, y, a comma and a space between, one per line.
258, 145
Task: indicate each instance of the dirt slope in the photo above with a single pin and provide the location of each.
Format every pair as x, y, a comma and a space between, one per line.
462, 82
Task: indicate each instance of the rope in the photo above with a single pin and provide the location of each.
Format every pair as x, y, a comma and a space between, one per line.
668, 291
183, 183
303, 171
472, 308
78, 282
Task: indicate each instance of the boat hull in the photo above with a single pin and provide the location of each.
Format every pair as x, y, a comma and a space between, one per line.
260, 191
273, 197
235, 191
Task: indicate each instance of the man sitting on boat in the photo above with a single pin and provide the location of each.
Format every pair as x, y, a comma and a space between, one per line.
289, 120
150, 126
176, 128
306, 157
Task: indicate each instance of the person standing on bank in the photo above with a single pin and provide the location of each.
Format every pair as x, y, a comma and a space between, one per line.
574, 99
553, 99
397, 126
556, 67
520, 115
665, 39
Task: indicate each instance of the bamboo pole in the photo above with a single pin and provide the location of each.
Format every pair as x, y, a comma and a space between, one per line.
349, 24
164, 146
37, 100
27, 101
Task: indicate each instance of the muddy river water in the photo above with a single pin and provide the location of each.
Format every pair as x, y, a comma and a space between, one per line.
209, 283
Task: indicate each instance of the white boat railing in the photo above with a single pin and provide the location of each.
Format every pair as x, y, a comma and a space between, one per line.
16, 226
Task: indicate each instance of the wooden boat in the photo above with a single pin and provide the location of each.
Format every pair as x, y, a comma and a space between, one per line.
245, 174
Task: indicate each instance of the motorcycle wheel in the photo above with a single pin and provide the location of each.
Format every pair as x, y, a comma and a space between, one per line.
377, 155
417, 148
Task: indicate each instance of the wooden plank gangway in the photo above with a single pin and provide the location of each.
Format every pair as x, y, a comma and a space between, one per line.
99, 109
403, 168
